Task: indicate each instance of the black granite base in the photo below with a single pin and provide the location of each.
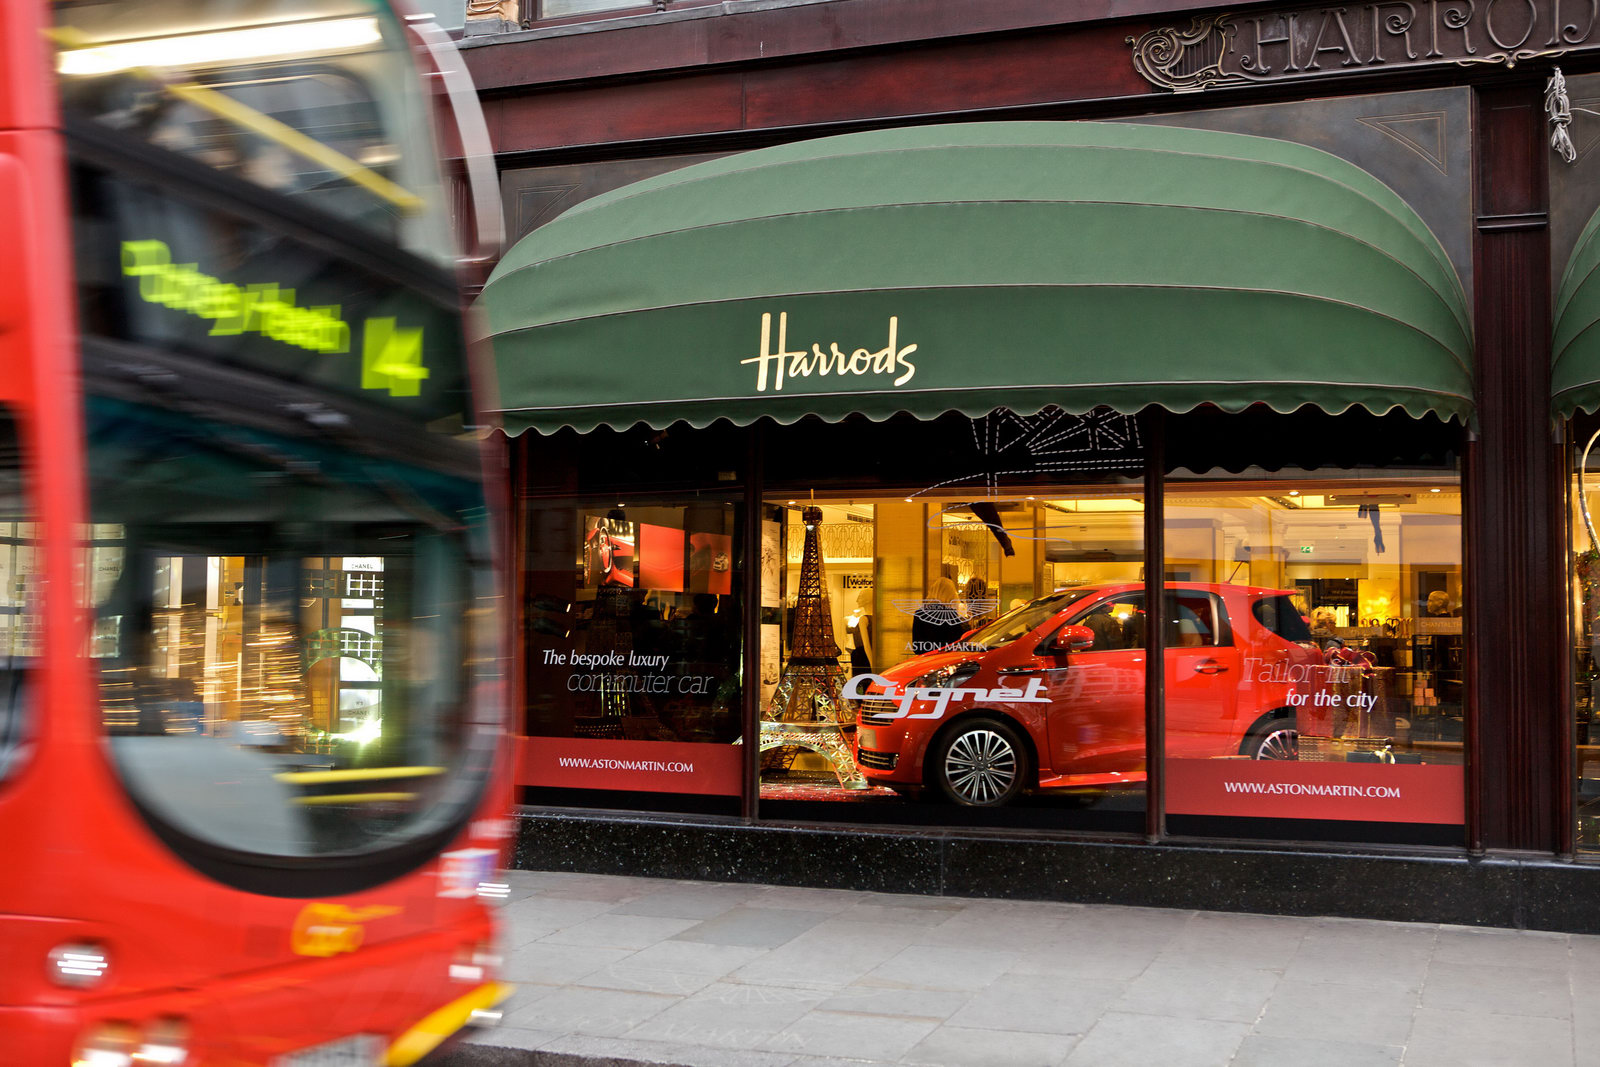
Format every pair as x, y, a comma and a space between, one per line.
1535, 893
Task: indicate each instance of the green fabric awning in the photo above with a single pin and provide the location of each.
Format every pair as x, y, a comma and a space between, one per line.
973, 266
1575, 340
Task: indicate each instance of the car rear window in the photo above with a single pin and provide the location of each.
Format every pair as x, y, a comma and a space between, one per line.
1278, 614
1195, 620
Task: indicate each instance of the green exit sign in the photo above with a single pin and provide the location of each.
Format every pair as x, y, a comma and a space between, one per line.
1305, 550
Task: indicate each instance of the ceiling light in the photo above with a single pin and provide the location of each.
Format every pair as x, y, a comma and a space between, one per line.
223, 47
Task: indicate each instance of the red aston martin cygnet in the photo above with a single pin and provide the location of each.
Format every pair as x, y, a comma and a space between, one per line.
1051, 694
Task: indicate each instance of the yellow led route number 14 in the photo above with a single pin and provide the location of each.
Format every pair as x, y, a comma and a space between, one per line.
391, 357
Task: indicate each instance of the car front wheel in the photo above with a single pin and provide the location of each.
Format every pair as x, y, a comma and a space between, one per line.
982, 763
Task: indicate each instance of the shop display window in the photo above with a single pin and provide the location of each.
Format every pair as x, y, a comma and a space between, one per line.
633, 649
924, 646
1314, 672
1584, 554
950, 625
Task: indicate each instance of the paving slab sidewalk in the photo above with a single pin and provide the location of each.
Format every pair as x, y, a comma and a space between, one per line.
624, 971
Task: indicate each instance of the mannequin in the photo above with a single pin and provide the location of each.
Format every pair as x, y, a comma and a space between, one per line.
860, 626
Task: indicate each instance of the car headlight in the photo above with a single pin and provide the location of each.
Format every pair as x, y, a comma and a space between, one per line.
946, 677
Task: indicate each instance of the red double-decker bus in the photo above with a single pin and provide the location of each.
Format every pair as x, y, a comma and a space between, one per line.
253, 771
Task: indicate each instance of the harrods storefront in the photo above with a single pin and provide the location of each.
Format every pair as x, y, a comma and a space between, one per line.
841, 466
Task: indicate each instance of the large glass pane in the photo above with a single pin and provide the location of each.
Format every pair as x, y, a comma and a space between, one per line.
968, 647
1585, 593
1314, 672
555, 9
633, 651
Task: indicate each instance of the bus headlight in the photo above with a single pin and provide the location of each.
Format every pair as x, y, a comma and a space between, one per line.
166, 1043
107, 1045
118, 1044
475, 964
78, 965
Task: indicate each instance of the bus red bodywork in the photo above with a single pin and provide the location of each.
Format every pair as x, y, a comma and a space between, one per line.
221, 975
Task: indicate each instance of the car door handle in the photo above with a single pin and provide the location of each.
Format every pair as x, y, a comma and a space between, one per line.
1209, 666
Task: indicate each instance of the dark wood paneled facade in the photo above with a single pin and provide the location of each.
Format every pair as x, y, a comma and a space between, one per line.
576, 109
1520, 740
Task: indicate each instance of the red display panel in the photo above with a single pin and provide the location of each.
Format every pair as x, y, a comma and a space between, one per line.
1286, 789
711, 563
661, 558
642, 766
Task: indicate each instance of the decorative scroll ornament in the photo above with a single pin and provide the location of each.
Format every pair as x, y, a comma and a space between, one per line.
1168, 57
1511, 59
1559, 110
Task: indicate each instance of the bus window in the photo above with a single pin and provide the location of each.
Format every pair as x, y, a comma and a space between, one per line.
285, 632
19, 629
311, 99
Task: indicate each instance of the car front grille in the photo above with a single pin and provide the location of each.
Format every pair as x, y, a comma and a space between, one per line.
878, 761
877, 712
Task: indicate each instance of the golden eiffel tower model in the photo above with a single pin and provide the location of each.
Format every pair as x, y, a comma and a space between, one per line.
806, 710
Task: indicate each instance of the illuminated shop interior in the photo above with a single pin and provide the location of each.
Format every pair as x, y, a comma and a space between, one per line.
1371, 564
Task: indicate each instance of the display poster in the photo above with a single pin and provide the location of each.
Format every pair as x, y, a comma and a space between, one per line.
771, 661
642, 766
609, 552
771, 564
711, 563
661, 550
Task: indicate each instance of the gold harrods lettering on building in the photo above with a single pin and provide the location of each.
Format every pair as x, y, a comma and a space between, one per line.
773, 365
1237, 48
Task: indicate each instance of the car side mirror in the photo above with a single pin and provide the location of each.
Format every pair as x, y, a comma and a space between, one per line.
1071, 639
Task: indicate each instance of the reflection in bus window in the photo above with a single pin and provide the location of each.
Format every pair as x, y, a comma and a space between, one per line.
283, 632
306, 98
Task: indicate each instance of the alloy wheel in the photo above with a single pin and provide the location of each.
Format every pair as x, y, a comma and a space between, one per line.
981, 766
1281, 743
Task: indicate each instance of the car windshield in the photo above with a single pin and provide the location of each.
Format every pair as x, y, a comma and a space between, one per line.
1021, 620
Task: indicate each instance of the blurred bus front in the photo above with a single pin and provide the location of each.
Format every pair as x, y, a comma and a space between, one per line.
253, 774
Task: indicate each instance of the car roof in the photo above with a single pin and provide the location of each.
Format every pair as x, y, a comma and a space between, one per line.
1220, 588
